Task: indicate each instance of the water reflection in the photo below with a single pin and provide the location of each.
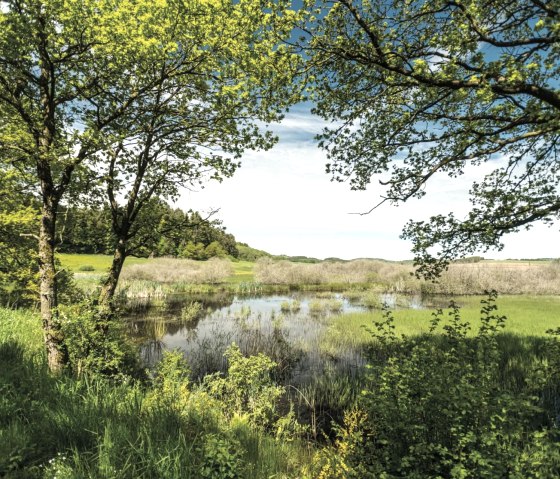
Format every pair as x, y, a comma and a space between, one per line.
286, 328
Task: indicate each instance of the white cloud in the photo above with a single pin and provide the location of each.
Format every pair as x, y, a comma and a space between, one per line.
282, 201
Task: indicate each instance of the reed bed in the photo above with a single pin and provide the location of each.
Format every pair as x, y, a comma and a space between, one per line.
507, 278
173, 270
511, 277
268, 271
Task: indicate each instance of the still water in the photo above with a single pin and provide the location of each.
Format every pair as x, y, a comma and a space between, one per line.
286, 328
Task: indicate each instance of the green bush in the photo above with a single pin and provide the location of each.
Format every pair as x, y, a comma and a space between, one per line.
86, 267
221, 458
97, 342
190, 312
247, 389
434, 406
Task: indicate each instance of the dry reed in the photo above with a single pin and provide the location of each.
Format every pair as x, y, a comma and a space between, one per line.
172, 270
461, 278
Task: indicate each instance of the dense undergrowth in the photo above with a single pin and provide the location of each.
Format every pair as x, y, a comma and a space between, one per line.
90, 425
452, 406
452, 403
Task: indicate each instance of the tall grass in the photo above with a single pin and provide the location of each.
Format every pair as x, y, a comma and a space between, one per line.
93, 427
460, 279
172, 270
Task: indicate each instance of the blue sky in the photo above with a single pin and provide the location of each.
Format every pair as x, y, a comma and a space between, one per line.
282, 201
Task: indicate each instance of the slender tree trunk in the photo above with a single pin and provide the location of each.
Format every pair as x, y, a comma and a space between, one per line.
110, 285
57, 354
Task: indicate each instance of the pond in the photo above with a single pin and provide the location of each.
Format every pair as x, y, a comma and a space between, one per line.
287, 328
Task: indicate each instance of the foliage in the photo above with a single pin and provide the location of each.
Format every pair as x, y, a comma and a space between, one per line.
204, 102
97, 344
417, 88
199, 252
248, 388
246, 253
143, 97
221, 458
18, 216
162, 231
94, 427
191, 311
435, 407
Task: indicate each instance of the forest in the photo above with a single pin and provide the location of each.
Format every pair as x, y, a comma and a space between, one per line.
142, 340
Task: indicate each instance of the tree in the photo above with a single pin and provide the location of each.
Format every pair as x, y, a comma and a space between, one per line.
74, 76
215, 73
19, 221
418, 88
56, 64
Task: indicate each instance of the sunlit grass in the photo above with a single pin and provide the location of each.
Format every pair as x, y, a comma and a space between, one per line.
60, 426
242, 272
99, 262
526, 316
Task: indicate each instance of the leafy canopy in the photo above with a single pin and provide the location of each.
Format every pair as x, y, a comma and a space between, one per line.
417, 88
212, 76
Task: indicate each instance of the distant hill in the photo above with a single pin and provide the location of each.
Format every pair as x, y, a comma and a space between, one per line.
246, 253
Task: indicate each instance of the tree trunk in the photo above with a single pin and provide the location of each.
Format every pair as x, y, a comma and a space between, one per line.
57, 354
110, 285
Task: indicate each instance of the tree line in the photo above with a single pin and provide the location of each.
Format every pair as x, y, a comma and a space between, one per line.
161, 231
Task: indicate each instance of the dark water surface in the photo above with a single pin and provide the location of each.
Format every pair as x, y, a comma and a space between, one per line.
256, 324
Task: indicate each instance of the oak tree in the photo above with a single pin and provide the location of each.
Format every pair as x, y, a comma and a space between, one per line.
215, 74
417, 88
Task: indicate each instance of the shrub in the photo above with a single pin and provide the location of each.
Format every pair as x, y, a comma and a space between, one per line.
191, 311
221, 458
86, 267
97, 343
247, 389
172, 270
434, 407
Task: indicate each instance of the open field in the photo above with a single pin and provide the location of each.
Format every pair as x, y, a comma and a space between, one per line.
526, 316
243, 272
99, 262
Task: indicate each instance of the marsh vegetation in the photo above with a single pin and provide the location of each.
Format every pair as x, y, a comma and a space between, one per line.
293, 397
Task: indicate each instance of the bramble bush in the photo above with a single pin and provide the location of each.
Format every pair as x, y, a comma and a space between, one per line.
433, 406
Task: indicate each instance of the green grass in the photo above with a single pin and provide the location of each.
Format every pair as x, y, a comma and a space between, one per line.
99, 262
526, 316
242, 272
97, 428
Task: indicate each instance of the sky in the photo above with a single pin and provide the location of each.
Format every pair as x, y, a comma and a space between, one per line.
282, 201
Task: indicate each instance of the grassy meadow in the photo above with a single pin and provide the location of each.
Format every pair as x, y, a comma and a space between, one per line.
469, 399
98, 263
530, 316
